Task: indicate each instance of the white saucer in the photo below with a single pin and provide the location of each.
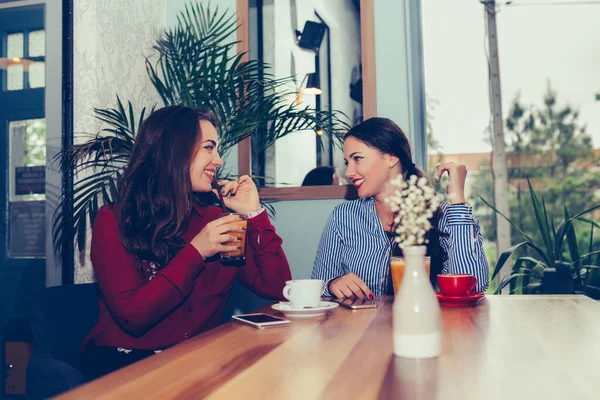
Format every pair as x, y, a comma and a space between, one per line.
287, 310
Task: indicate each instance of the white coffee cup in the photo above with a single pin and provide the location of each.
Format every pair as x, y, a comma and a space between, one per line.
303, 292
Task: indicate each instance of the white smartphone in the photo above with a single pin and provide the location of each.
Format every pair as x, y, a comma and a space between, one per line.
260, 320
356, 303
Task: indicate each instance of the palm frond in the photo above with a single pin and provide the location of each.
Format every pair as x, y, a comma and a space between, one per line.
103, 158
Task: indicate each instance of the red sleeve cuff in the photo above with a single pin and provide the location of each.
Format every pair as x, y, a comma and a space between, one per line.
260, 222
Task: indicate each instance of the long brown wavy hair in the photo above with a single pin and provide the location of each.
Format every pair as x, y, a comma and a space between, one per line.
155, 192
386, 136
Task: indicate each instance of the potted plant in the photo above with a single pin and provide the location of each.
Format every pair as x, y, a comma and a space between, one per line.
555, 266
194, 64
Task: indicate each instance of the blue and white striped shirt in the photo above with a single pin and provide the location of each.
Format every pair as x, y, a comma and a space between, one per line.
354, 241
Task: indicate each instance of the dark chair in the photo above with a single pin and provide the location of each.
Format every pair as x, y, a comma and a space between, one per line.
61, 318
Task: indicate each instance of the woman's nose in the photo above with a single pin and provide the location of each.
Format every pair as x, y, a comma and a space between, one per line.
217, 161
349, 171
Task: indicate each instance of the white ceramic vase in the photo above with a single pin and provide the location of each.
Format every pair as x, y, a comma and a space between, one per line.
416, 311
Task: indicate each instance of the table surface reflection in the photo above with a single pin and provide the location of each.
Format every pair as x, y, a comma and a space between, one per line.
517, 347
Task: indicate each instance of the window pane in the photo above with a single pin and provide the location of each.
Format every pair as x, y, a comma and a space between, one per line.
37, 43
14, 45
27, 149
14, 77
37, 75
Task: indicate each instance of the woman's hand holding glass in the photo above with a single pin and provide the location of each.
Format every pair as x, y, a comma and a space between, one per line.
212, 237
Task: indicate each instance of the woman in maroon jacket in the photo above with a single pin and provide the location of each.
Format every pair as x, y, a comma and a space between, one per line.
156, 253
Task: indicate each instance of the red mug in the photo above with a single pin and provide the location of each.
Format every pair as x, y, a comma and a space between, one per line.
457, 284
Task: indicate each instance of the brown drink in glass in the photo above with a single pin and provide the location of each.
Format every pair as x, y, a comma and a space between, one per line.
237, 257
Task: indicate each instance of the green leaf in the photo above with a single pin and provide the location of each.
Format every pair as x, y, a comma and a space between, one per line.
591, 245
532, 288
113, 191
505, 256
591, 291
505, 282
589, 210
508, 219
532, 270
515, 270
81, 225
572, 242
93, 207
588, 221
562, 230
542, 220
591, 253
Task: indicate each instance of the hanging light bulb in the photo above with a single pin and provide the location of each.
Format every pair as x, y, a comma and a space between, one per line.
313, 85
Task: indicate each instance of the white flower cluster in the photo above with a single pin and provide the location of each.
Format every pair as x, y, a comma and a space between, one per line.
413, 202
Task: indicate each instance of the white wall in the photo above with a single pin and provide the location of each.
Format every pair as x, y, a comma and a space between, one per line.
111, 40
300, 224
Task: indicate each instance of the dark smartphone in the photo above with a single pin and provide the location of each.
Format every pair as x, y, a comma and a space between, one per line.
356, 303
260, 320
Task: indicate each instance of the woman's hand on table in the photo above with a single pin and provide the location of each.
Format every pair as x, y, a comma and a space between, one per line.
350, 285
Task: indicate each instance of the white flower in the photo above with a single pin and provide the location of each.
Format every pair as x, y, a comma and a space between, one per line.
413, 202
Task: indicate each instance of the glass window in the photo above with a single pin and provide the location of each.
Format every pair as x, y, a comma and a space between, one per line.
14, 45
550, 113
27, 149
14, 76
37, 75
15, 70
37, 44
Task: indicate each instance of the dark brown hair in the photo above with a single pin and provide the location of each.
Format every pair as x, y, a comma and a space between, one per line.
320, 176
386, 136
155, 192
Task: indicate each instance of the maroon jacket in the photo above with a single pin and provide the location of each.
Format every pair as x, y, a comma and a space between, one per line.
186, 297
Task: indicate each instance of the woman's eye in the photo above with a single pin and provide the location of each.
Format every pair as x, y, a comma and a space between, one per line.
357, 159
209, 148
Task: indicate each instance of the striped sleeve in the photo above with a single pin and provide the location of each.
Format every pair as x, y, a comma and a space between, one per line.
328, 262
464, 244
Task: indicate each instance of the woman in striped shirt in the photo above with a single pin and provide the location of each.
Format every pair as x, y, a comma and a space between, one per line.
354, 253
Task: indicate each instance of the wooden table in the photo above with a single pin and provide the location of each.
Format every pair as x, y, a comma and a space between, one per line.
507, 347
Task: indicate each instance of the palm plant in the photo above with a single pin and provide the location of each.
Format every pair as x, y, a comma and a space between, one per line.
194, 64
556, 265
